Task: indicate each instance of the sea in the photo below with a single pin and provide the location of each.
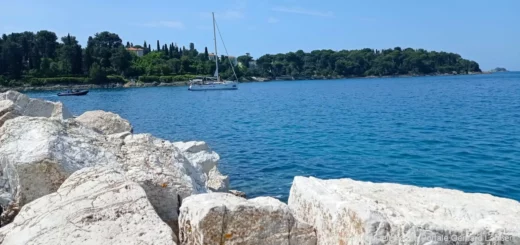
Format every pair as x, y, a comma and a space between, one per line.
457, 132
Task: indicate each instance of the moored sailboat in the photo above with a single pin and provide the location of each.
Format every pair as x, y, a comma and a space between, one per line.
215, 82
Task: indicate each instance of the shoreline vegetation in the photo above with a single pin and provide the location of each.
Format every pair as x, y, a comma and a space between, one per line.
130, 84
38, 61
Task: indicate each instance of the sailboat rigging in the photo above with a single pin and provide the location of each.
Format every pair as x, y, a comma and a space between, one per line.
215, 83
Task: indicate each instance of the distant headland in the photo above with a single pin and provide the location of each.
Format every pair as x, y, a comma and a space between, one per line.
41, 60
499, 69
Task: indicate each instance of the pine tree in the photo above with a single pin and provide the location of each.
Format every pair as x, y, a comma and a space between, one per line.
158, 46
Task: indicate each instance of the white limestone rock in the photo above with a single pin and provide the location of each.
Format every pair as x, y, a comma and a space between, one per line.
25, 106
221, 218
217, 182
202, 157
7, 111
105, 122
345, 211
163, 172
93, 206
199, 154
38, 154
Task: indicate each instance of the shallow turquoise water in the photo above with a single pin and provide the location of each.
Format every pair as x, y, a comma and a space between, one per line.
458, 132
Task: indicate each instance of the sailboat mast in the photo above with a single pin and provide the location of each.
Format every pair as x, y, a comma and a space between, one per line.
215, 39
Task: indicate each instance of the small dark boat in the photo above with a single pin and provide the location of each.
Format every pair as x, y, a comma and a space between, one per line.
73, 93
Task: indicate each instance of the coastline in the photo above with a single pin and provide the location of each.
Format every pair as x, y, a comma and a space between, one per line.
185, 83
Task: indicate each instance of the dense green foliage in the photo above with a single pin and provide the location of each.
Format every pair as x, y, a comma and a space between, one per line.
40, 59
365, 62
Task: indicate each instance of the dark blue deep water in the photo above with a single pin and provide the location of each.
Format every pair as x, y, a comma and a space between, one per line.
460, 132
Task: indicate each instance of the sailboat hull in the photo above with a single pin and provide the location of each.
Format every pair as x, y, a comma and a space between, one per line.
214, 86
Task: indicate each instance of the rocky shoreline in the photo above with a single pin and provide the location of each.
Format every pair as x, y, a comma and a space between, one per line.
185, 83
91, 180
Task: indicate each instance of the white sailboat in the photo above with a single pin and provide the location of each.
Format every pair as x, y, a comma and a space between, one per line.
215, 82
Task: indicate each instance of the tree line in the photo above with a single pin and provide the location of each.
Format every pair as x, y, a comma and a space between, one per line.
41, 56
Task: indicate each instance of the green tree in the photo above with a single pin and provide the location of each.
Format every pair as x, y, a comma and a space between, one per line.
88, 60
244, 60
97, 74
103, 45
121, 60
46, 43
158, 46
12, 55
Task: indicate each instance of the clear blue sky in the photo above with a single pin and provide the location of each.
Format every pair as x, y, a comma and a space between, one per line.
485, 31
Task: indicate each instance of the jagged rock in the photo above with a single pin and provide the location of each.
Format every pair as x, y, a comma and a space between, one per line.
54, 149
238, 193
105, 122
163, 172
345, 211
7, 111
201, 156
217, 182
38, 154
93, 206
22, 105
221, 218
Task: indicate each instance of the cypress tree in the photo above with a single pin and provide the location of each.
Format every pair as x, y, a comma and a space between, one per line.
158, 46
127, 44
206, 54
165, 50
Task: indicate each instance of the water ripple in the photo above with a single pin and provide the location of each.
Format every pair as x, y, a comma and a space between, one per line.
454, 132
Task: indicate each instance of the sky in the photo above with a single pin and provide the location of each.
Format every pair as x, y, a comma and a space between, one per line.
485, 31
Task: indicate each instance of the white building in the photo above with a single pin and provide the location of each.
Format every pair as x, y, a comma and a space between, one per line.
138, 51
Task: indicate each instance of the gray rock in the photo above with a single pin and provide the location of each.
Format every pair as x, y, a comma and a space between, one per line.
217, 182
105, 122
93, 206
221, 218
22, 105
345, 211
202, 157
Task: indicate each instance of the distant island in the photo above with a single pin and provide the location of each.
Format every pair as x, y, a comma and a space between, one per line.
499, 69
40, 60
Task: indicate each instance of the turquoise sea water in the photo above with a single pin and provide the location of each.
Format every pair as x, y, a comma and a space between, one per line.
460, 132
